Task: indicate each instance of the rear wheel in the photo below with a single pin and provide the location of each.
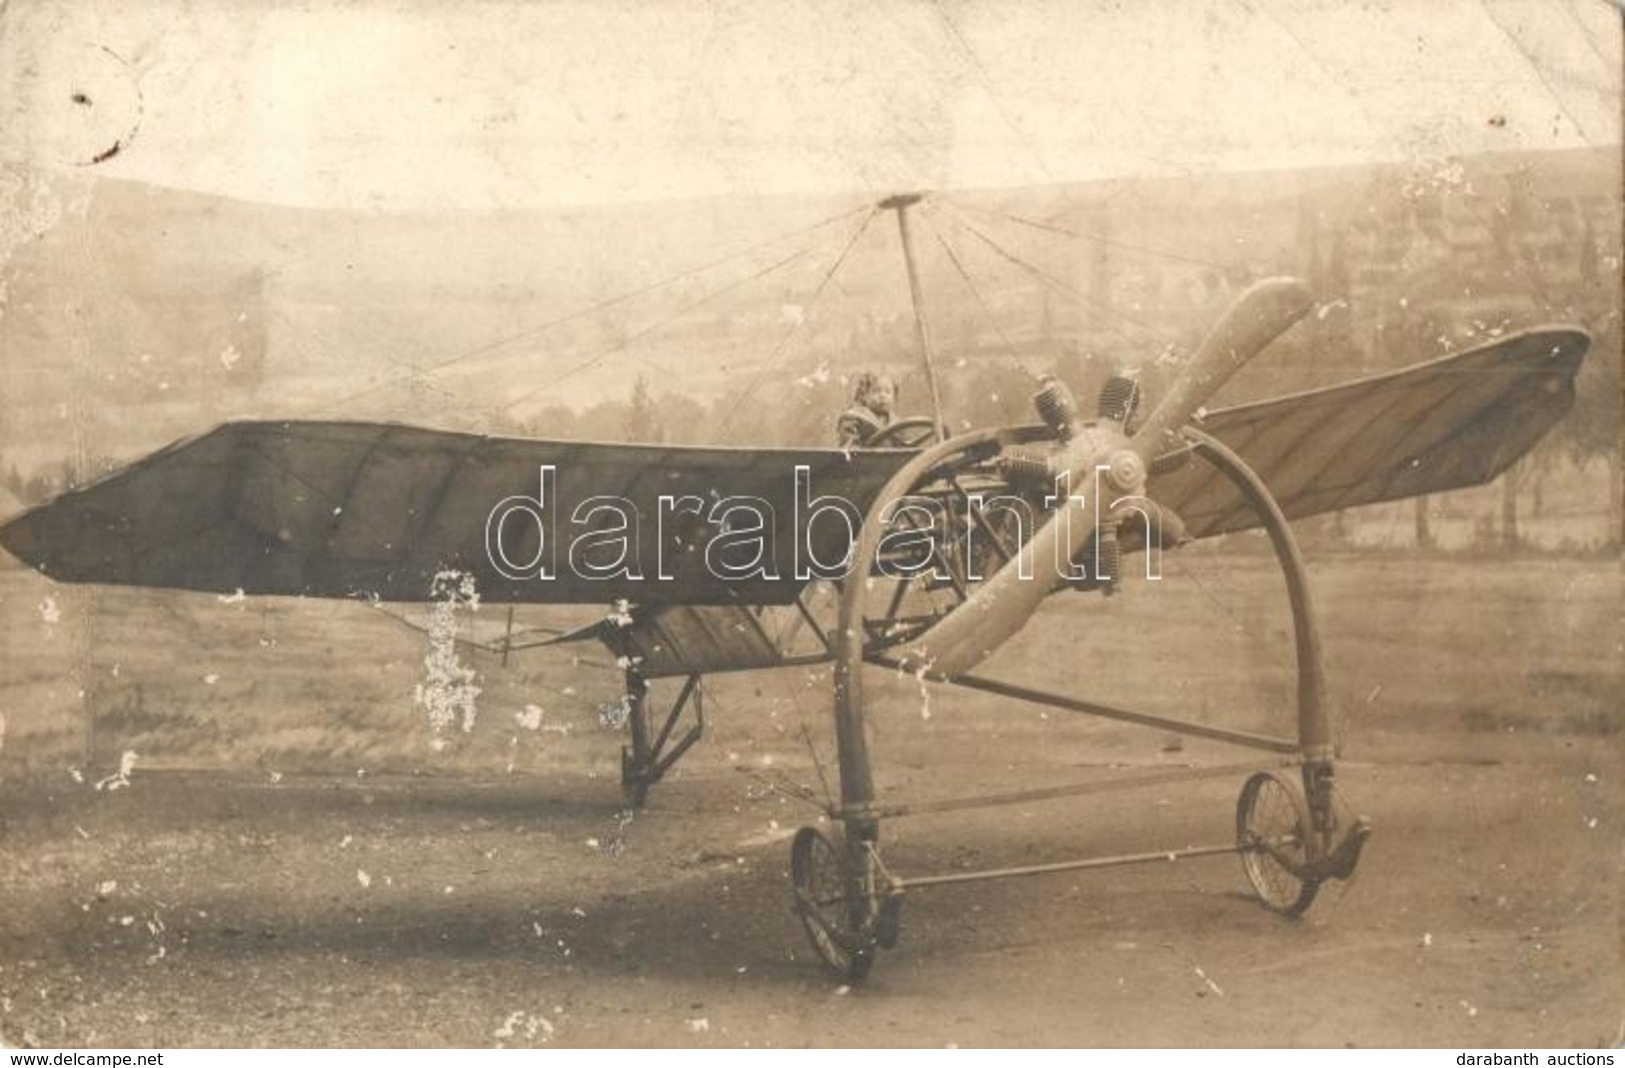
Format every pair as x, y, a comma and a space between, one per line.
832, 903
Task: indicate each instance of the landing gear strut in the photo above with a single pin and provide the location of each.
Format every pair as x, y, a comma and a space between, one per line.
645, 762
1288, 836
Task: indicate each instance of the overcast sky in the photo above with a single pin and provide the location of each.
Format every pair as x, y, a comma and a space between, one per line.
479, 105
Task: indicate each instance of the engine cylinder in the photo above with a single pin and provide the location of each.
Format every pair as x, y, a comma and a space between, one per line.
1108, 560
1027, 467
1119, 397
1057, 407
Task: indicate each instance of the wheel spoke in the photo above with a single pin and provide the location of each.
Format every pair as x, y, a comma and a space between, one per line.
835, 918
1271, 825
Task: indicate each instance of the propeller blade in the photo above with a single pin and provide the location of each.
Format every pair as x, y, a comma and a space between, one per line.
1002, 605
1259, 316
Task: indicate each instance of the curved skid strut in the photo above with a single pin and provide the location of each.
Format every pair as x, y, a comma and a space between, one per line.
1278, 853
1326, 857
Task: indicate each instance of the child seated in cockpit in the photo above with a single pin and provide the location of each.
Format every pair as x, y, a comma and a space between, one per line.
874, 396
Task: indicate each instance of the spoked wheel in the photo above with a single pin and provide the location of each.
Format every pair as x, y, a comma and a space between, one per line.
1272, 835
835, 903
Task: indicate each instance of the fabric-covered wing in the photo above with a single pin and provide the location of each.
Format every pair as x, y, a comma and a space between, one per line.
1452, 422
333, 509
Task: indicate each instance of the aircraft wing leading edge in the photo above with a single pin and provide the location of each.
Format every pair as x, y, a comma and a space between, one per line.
334, 509
1450, 423
349, 509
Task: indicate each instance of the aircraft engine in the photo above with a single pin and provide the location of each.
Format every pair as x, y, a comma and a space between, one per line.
1100, 468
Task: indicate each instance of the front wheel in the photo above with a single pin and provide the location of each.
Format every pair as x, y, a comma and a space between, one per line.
1272, 836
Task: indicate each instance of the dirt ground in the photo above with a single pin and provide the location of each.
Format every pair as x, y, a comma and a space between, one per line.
286, 869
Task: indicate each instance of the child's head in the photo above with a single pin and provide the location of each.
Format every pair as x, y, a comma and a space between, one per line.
877, 392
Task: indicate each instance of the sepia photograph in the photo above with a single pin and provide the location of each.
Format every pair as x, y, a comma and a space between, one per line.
913, 524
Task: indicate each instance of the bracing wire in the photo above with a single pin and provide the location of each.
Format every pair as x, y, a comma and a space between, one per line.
1065, 290
593, 309
598, 358
1094, 236
1190, 569
795, 328
976, 291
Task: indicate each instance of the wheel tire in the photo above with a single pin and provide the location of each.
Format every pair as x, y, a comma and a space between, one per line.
1272, 836
823, 887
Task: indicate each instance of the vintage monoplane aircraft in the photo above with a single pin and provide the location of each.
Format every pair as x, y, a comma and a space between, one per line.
941, 549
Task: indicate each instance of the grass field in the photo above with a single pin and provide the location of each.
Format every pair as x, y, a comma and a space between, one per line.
293, 861
1441, 653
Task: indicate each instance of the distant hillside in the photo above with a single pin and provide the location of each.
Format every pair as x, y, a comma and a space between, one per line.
151, 313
